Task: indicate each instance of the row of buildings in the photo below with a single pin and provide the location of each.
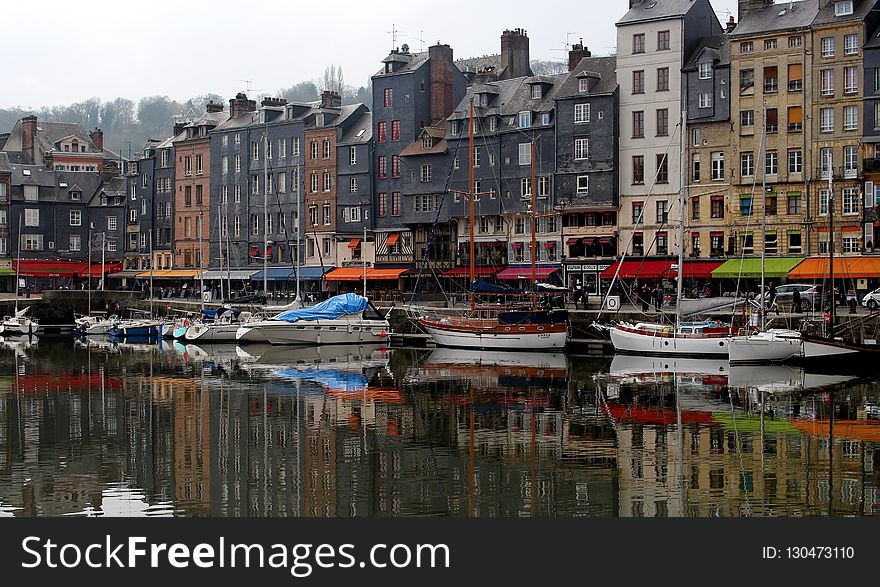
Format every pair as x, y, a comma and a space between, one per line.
781, 112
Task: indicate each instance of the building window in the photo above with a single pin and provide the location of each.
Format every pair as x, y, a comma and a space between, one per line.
850, 118
326, 151
771, 122
745, 204
696, 137
850, 79
771, 163
75, 218
793, 203
771, 79
843, 8
770, 204
75, 243
850, 161
638, 169
525, 187
663, 122
705, 100
827, 46
395, 130
662, 212
395, 166
352, 185
426, 173
795, 77
583, 85
662, 79
638, 212
395, 203
771, 243
662, 169
111, 223
381, 168
823, 202
746, 79
525, 153
717, 166
850, 201
31, 217
770, 44
638, 82
583, 184
717, 206
638, 124
695, 167
581, 148
663, 40
795, 119
236, 194
795, 161
325, 214
383, 204
525, 119
705, 70
826, 77
746, 47
327, 181
826, 116
747, 164
826, 155
662, 243
639, 43
476, 156
851, 244
581, 113
695, 208
638, 244
536, 91
794, 41
388, 99
314, 183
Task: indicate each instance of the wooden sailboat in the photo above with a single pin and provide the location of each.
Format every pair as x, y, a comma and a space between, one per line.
502, 327
707, 338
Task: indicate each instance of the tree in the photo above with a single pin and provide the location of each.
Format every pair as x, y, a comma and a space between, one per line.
301, 92
117, 114
541, 67
333, 79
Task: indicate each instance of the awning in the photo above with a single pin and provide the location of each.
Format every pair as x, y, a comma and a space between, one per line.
353, 243
289, 274
6, 271
516, 245
384, 273
589, 240
641, 268
345, 274
549, 245
572, 241
526, 272
95, 270
237, 274
171, 274
696, 269
393, 238
47, 268
127, 274
605, 240
844, 267
775, 267
478, 271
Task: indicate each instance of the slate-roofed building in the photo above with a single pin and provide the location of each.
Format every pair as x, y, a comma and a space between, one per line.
106, 216
162, 204
141, 177
5, 191
354, 195
586, 180
57, 145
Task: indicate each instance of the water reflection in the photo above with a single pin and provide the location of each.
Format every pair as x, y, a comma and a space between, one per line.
94, 428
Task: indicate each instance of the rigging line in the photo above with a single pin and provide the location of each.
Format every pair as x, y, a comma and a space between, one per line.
641, 218
433, 231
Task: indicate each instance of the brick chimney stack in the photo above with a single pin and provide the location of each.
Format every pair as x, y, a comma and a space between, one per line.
331, 99
97, 136
515, 54
577, 52
178, 128
442, 81
213, 107
29, 135
240, 104
273, 102
731, 24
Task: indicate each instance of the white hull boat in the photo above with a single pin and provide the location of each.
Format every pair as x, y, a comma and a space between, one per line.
496, 338
701, 339
344, 330
19, 325
776, 345
212, 332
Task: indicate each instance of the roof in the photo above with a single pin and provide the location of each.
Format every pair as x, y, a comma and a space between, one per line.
718, 46
656, 10
240, 121
5, 164
479, 63
514, 96
417, 147
605, 68
361, 130
410, 62
861, 9
777, 17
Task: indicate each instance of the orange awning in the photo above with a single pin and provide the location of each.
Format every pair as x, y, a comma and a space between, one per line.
384, 273
353, 243
393, 238
844, 267
345, 274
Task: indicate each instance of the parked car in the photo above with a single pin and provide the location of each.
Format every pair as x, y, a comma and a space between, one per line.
811, 296
872, 300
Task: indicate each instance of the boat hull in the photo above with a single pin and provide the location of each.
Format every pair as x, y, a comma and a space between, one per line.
765, 347
512, 337
633, 341
212, 332
315, 332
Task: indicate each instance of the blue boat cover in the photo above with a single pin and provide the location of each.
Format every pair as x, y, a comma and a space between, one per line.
349, 303
328, 379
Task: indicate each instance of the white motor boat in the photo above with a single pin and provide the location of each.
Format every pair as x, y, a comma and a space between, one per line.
95, 325
776, 345
19, 324
223, 330
707, 338
342, 319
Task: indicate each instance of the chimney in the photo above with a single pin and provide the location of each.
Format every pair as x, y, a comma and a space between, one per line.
331, 99
577, 52
442, 81
515, 54
212, 107
746, 6
97, 136
29, 136
731, 24
279, 102
240, 104
178, 128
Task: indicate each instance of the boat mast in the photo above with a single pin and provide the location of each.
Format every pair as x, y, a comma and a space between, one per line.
151, 274
220, 231
364, 261
831, 242
471, 204
763, 220
681, 205
266, 215
89, 276
201, 262
228, 249
18, 265
299, 233
534, 222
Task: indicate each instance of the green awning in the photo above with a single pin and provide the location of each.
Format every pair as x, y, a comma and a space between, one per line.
6, 271
774, 267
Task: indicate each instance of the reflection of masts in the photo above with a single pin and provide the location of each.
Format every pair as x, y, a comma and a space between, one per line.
471, 451
831, 419
534, 430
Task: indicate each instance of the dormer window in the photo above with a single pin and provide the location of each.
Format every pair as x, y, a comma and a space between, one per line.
536, 91
583, 85
525, 119
706, 70
319, 120
75, 195
427, 141
388, 68
844, 8
453, 128
493, 123
66, 148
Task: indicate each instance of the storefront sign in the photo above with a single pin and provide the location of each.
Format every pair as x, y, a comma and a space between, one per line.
594, 268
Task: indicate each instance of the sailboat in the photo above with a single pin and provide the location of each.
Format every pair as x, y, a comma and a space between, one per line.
706, 338
499, 327
774, 345
19, 323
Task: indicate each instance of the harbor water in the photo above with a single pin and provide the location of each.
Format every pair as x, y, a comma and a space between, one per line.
94, 428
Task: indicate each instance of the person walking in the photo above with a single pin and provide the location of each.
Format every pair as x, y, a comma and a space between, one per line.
645, 296
658, 298
796, 301
771, 297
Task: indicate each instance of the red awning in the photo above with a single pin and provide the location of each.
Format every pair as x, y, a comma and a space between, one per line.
516, 245
254, 251
465, 271
571, 241
605, 240
95, 269
393, 238
589, 240
643, 269
526, 272
353, 243
695, 269
549, 245
47, 268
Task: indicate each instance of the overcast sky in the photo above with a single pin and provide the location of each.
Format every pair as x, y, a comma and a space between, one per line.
63, 51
